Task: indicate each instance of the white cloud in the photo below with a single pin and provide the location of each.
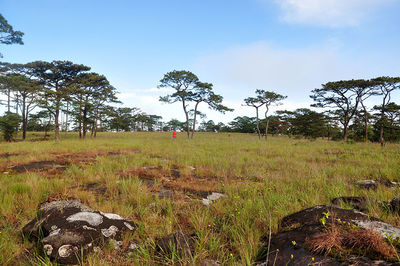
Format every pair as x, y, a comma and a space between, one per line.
261, 66
237, 72
331, 13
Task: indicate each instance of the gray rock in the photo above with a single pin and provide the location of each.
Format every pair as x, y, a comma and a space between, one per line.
382, 228
211, 198
66, 230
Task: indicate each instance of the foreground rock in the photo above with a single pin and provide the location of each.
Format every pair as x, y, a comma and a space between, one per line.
68, 230
347, 237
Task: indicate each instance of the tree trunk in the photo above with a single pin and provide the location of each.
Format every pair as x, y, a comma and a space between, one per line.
57, 128
16, 111
8, 100
258, 124
66, 120
187, 119
96, 118
267, 124
381, 140
46, 128
345, 131
194, 118
365, 121
24, 118
366, 125
84, 120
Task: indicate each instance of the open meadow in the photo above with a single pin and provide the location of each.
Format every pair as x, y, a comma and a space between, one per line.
159, 184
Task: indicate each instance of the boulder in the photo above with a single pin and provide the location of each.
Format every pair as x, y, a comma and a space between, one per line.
358, 203
296, 242
68, 230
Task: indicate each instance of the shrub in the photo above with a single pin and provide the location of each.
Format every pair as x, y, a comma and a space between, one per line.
9, 124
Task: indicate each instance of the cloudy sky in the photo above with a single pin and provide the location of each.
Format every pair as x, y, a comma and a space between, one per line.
287, 46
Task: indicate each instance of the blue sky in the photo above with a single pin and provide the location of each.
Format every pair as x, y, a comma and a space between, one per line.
288, 46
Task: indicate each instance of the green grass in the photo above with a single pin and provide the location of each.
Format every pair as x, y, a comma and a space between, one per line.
263, 181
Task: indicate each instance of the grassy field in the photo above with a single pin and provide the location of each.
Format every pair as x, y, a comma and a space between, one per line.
125, 173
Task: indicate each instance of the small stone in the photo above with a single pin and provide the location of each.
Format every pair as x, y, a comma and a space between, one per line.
117, 244
67, 250
55, 232
48, 249
88, 228
54, 227
133, 246
209, 263
130, 227
111, 231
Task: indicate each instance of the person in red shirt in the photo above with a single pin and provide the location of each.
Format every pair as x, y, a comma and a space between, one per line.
174, 135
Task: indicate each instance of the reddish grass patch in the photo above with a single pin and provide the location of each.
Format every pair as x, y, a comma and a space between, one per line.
369, 242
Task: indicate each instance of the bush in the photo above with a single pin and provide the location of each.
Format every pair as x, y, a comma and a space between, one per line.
9, 124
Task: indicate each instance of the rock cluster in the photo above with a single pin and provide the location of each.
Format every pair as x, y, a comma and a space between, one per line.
291, 245
68, 230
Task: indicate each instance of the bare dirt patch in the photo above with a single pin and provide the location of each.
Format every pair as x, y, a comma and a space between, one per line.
39, 166
167, 183
6, 155
61, 160
97, 189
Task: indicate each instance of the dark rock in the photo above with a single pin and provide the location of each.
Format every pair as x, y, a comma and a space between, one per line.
178, 241
66, 230
175, 173
395, 204
289, 245
367, 184
388, 183
358, 203
165, 194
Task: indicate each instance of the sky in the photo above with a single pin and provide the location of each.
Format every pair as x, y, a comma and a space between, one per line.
286, 46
